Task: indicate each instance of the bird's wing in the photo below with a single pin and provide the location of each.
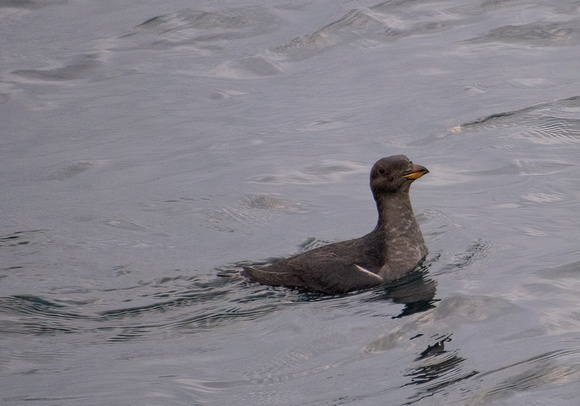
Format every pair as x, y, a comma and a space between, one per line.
332, 274
318, 270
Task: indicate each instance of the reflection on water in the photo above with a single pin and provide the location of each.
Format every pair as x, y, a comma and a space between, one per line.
416, 291
435, 369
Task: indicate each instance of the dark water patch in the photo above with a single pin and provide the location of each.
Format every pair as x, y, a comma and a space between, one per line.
13, 240
20, 238
44, 328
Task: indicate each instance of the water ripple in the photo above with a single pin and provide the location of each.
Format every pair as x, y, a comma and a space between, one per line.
539, 33
551, 123
203, 28
530, 374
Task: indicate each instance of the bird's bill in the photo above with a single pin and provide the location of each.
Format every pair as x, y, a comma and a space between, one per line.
416, 172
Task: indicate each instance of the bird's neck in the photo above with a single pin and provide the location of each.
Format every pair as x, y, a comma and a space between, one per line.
395, 212
401, 238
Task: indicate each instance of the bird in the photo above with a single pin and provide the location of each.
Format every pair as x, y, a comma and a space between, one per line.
391, 250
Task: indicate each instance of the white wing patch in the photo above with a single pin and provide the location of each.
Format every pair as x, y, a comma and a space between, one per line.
369, 273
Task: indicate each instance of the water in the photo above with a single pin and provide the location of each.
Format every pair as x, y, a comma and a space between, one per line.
149, 150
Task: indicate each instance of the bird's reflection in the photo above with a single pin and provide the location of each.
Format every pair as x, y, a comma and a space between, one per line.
436, 368
415, 290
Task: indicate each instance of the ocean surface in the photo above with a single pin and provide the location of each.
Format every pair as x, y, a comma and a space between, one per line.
149, 150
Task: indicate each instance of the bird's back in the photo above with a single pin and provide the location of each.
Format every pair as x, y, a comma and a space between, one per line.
335, 268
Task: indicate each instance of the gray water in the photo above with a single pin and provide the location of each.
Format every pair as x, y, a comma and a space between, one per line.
150, 149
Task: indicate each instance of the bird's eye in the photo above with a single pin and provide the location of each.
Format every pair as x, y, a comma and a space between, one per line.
381, 171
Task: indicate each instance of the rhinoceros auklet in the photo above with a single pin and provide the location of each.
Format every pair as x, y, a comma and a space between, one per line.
391, 250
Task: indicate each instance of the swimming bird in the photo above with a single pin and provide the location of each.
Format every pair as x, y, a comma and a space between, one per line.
394, 248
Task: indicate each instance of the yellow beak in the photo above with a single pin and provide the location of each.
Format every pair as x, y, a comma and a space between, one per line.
416, 172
